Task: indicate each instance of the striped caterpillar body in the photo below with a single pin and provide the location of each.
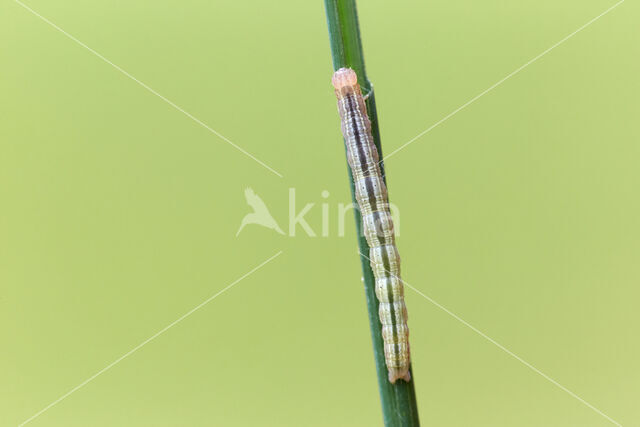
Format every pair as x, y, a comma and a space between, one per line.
371, 195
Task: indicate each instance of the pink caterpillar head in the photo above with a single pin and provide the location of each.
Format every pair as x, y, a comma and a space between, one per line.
345, 81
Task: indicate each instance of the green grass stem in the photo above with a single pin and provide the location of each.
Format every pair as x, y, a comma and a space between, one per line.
399, 406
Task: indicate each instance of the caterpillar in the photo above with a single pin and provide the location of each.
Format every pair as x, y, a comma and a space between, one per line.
371, 195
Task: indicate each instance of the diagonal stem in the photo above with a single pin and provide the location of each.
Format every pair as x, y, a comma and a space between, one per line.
399, 407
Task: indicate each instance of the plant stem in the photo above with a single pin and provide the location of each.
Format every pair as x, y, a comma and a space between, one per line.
399, 406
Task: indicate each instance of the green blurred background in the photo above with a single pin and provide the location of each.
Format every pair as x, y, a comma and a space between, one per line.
119, 214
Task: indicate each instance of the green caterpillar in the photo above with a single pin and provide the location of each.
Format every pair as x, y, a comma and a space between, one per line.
371, 194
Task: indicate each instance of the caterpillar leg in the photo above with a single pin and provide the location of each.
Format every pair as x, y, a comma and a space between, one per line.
396, 374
